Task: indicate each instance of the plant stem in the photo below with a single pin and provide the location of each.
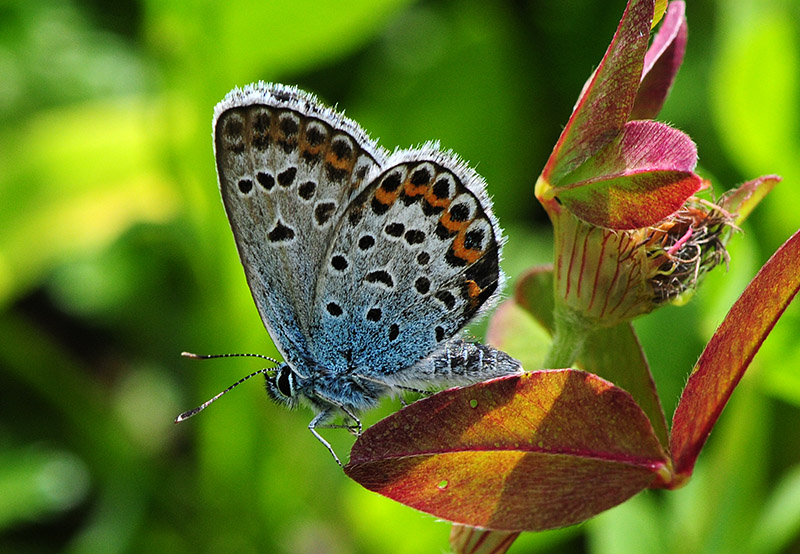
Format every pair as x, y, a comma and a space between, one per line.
570, 335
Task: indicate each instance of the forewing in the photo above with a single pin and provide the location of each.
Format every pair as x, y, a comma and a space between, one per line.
287, 167
415, 258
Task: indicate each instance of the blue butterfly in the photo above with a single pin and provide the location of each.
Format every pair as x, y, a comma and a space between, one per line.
365, 265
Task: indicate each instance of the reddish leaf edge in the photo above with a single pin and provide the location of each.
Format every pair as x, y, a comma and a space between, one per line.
443, 397
691, 423
743, 199
671, 25
636, 461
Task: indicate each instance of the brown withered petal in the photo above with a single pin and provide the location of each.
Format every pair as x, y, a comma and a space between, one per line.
686, 246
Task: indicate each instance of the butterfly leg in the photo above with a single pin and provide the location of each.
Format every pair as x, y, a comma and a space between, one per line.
316, 422
355, 429
420, 392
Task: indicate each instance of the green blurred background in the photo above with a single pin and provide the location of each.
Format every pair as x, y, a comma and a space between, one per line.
115, 255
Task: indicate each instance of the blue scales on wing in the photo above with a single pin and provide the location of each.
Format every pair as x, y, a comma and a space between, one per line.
415, 259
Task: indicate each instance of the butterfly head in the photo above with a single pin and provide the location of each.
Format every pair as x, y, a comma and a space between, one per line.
282, 386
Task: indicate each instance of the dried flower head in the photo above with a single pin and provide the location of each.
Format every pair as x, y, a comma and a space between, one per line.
686, 246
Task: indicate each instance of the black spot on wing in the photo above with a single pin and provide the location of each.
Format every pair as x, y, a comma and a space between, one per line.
421, 176
473, 240
245, 185
286, 177
323, 212
378, 207
391, 182
366, 242
314, 135
446, 298
459, 212
415, 236
394, 229
280, 233
380, 276
265, 180
307, 189
261, 123
340, 147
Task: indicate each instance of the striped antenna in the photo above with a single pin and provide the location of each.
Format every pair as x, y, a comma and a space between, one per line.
186, 415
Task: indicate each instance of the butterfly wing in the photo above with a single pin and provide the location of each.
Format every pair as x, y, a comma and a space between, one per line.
287, 168
415, 258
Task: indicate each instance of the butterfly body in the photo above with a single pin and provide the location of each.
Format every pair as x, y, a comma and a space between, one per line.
364, 265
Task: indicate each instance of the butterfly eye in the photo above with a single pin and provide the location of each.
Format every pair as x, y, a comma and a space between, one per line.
281, 387
286, 382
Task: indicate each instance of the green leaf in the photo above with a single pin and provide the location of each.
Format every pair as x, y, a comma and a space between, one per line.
534, 293
531, 452
253, 35
754, 107
659, 9
730, 351
615, 354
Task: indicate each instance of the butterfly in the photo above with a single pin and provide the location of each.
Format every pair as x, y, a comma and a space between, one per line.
365, 265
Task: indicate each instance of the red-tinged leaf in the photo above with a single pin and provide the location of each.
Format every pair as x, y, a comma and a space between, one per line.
633, 201
637, 180
613, 353
643, 146
661, 63
729, 353
607, 98
743, 199
537, 451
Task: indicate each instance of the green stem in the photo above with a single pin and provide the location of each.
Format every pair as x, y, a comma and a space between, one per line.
570, 334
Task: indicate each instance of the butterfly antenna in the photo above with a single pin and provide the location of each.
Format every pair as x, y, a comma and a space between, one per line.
186, 415
212, 356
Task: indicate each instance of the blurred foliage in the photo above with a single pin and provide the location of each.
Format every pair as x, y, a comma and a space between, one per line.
115, 255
